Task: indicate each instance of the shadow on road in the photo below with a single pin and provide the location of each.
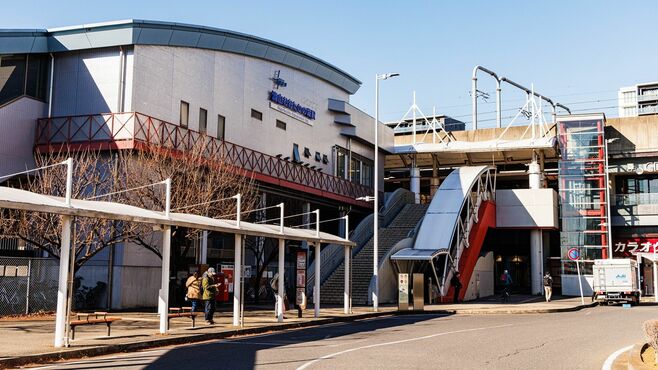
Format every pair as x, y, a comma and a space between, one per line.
242, 353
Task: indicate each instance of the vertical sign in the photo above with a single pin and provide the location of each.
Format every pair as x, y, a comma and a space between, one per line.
403, 292
300, 297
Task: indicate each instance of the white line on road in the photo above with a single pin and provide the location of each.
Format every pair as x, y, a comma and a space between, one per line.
308, 364
607, 365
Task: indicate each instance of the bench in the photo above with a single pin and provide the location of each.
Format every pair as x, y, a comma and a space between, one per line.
182, 312
92, 319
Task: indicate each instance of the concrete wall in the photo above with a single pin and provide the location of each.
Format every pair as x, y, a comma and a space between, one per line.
482, 280
570, 286
18, 121
632, 134
526, 208
87, 82
232, 85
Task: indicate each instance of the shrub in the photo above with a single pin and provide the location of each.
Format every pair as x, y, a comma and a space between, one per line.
651, 332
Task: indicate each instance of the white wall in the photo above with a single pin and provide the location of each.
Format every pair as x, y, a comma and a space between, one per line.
570, 286
87, 82
231, 85
482, 280
18, 121
526, 208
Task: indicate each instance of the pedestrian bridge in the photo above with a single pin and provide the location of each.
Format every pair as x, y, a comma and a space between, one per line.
451, 234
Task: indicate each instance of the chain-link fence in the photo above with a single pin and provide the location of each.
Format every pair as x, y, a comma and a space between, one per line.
27, 285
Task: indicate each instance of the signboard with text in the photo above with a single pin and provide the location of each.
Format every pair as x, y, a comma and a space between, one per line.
630, 247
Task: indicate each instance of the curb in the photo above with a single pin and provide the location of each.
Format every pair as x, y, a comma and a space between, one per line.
512, 311
17, 361
194, 338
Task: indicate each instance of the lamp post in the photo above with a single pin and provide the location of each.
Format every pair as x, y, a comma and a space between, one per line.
375, 257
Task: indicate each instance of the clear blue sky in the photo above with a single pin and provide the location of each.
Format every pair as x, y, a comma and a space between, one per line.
577, 52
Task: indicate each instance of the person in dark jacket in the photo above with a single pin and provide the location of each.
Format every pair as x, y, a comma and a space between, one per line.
456, 285
548, 286
209, 294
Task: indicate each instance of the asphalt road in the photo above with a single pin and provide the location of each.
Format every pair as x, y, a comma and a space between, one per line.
574, 340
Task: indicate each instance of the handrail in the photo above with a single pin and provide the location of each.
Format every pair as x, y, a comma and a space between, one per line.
332, 255
481, 191
394, 204
126, 130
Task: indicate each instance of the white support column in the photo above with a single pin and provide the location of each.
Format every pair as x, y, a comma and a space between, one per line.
434, 181
62, 290
280, 294
163, 302
316, 290
203, 254
346, 288
655, 281
237, 274
414, 183
536, 237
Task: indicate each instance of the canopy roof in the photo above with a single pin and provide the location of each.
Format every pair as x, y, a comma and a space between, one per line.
29, 201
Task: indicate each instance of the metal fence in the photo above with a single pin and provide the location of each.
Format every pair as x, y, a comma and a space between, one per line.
27, 285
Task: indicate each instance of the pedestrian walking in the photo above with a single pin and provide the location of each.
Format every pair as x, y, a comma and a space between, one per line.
193, 294
506, 279
209, 294
456, 285
548, 286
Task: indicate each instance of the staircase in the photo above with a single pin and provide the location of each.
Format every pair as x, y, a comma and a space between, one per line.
398, 229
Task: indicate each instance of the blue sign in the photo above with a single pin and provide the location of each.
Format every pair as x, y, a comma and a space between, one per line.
277, 80
292, 105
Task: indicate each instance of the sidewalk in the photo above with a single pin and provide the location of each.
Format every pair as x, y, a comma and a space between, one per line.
519, 304
31, 341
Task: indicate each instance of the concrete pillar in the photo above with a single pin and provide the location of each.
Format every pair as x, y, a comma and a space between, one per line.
316, 290
163, 301
655, 281
237, 275
203, 253
536, 238
281, 286
434, 181
346, 286
414, 186
62, 288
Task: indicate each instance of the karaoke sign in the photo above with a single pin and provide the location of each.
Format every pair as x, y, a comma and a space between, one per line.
632, 246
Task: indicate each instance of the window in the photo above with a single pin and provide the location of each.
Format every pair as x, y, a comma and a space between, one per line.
256, 114
340, 164
280, 124
203, 120
184, 113
23, 75
221, 126
352, 166
295, 153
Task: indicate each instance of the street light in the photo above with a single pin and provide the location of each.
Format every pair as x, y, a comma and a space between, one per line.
375, 257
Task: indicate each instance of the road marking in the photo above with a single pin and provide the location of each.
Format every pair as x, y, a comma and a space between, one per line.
588, 313
308, 364
607, 365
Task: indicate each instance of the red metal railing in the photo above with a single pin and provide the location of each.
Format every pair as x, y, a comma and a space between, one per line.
133, 130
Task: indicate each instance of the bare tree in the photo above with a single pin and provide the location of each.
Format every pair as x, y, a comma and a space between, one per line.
94, 174
199, 186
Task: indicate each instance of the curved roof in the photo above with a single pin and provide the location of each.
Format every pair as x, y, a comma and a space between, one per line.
143, 32
438, 226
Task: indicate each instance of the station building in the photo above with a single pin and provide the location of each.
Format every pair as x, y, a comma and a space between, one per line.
477, 201
278, 112
553, 192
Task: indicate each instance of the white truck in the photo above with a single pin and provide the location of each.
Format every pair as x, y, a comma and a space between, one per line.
615, 280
